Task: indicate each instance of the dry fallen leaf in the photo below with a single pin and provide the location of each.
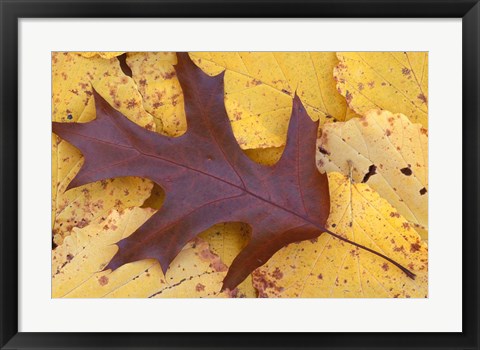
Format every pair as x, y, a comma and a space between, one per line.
386, 151
162, 95
73, 77
395, 81
327, 267
227, 240
259, 87
102, 54
77, 265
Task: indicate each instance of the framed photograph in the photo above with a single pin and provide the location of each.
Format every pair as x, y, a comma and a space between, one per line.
218, 174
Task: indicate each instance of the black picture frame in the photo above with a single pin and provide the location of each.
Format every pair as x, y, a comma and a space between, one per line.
12, 11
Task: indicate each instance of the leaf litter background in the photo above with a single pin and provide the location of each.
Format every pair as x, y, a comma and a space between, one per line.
372, 108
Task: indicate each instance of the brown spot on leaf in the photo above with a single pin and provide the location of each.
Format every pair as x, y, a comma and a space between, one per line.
199, 287
406, 171
103, 280
423, 191
84, 222
406, 71
323, 150
131, 103
264, 285
422, 98
385, 267
371, 171
414, 247
348, 96
169, 75
277, 274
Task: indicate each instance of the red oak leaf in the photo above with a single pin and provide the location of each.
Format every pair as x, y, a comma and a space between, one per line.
206, 176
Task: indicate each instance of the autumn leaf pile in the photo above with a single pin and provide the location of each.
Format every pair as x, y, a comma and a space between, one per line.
372, 144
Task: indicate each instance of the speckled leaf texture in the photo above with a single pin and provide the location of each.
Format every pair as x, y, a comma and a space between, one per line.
206, 176
386, 151
329, 268
394, 81
78, 262
260, 87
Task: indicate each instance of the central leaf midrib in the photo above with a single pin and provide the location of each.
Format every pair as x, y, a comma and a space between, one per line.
155, 156
235, 186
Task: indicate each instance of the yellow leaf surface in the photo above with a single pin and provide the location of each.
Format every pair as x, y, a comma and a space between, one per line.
72, 79
157, 82
77, 265
259, 87
386, 151
227, 240
102, 54
82, 205
265, 156
328, 267
395, 81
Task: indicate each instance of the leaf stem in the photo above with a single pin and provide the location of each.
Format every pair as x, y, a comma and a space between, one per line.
409, 273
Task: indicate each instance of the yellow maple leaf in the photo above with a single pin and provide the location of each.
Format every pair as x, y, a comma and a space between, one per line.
259, 87
388, 152
73, 77
227, 240
328, 267
102, 54
162, 95
77, 265
395, 81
